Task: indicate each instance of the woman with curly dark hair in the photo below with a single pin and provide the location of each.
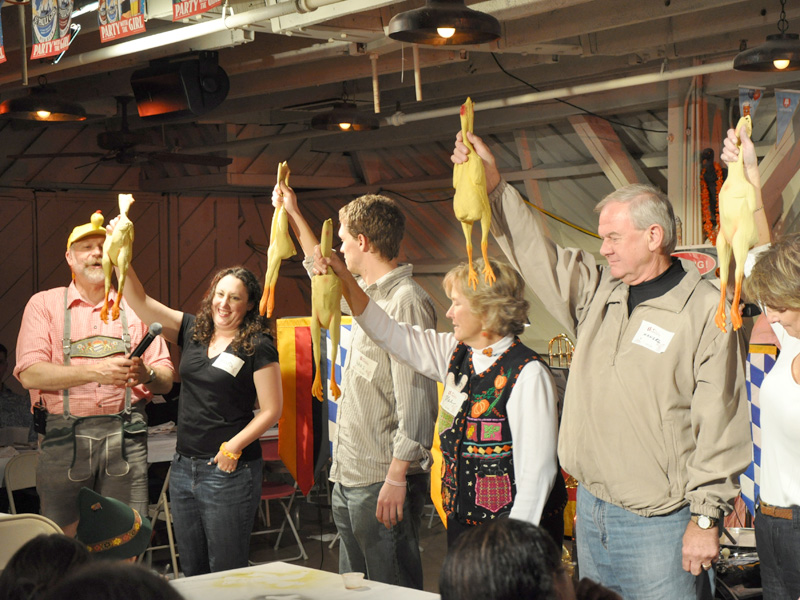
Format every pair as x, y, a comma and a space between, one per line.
229, 367
498, 423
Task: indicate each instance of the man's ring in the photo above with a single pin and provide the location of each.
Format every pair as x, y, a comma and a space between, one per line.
705, 567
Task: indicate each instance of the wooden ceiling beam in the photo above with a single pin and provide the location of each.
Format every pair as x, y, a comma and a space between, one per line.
604, 145
599, 16
777, 169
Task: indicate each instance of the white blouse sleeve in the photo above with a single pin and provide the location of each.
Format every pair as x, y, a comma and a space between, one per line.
532, 416
425, 351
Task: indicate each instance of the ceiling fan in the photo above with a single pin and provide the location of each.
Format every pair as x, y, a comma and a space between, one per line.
120, 148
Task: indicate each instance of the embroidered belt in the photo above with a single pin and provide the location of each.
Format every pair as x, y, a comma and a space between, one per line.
776, 511
97, 346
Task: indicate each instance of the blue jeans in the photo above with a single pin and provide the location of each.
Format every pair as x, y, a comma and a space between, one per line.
778, 545
213, 513
637, 557
385, 555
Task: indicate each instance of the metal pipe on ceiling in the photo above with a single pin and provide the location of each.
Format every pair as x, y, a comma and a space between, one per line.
177, 35
399, 118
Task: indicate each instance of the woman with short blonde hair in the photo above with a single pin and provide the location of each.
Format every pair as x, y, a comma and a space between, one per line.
503, 304
498, 423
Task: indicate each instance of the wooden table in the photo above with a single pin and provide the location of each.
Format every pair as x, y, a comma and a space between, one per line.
288, 582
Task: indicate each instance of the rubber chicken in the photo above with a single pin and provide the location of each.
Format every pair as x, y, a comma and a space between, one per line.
737, 230
280, 247
471, 201
117, 251
326, 312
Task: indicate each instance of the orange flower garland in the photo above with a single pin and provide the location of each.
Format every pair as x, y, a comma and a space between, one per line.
708, 228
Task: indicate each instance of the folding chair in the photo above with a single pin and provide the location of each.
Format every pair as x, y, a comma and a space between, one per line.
16, 530
161, 510
282, 492
20, 474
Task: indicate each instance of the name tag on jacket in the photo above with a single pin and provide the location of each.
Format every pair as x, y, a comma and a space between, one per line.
653, 337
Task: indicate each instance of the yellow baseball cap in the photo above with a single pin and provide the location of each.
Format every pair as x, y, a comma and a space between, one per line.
94, 227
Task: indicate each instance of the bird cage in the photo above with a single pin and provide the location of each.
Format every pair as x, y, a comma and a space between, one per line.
560, 350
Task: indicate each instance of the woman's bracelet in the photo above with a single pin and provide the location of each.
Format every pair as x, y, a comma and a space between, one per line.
396, 483
228, 453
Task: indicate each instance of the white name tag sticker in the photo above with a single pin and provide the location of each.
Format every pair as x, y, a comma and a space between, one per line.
363, 366
229, 363
452, 400
653, 337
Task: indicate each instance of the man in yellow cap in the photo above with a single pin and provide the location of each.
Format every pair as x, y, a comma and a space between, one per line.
87, 395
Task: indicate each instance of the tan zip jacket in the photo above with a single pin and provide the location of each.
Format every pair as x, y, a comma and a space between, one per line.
655, 413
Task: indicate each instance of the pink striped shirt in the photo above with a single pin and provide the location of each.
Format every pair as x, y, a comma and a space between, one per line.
40, 339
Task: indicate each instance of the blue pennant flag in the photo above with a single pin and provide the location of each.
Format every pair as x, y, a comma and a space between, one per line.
786, 104
749, 97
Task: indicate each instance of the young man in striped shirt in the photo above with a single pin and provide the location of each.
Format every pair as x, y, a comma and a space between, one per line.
386, 415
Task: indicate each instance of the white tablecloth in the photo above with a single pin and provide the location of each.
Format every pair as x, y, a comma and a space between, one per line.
288, 582
161, 447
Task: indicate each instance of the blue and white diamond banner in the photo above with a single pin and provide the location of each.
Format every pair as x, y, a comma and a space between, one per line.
338, 365
760, 359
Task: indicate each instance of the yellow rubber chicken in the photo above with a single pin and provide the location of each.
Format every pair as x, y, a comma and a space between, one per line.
471, 201
280, 247
737, 230
117, 251
326, 312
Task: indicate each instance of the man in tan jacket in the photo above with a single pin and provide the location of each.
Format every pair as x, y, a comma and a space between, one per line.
655, 424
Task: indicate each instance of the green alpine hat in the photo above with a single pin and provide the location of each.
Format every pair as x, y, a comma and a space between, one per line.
110, 528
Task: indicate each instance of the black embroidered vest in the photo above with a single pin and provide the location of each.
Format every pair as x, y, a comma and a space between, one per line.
477, 450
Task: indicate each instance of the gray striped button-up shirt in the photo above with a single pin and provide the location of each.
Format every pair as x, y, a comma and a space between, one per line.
392, 413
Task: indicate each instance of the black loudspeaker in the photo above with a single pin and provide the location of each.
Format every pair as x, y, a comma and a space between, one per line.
167, 90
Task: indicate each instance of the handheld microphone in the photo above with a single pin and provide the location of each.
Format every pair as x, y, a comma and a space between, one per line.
152, 333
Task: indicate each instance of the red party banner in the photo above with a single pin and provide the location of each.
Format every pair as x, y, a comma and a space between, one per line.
295, 428
2, 48
187, 8
50, 22
120, 18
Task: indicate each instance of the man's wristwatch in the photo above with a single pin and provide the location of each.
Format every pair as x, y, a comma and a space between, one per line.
704, 521
151, 374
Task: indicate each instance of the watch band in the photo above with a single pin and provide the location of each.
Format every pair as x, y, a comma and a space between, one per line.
151, 373
704, 521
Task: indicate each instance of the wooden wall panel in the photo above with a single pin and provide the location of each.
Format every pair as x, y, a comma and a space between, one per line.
16, 283
33, 235
182, 240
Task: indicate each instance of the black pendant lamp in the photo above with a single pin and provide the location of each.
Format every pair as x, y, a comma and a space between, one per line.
42, 104
344, 116
444, 23
781, 51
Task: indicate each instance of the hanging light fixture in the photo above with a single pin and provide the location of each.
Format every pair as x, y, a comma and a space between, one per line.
781, 51
42, 104
344, 116
444, 23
